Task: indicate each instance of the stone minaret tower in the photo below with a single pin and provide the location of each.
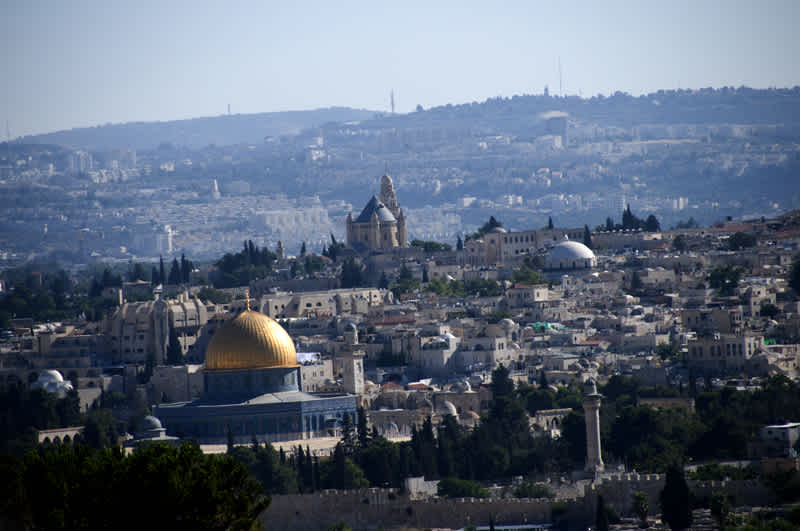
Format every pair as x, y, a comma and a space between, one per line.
353, 373
591, 408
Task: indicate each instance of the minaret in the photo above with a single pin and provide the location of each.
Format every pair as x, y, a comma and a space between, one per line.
353, 372
591, 409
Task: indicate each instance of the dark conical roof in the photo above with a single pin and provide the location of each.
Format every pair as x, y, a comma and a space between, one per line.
376, 207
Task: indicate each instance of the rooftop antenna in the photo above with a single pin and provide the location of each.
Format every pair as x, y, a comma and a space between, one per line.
560, 79
391, 99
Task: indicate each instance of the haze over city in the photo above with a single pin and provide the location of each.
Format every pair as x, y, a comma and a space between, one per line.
445, 265
76, 64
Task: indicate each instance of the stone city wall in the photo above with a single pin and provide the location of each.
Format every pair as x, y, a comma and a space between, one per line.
385, 508
618, 490
390, 509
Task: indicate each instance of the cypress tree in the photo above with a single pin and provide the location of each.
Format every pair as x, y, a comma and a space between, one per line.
601, 517
676, 500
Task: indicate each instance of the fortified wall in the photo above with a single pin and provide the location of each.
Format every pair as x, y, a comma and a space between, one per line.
386, 508
618, 490
390, 509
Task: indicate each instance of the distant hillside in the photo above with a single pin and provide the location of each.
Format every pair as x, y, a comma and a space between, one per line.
514, 115
198, 132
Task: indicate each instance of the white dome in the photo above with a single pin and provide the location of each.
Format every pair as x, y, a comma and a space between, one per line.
50, 376
447, 408
52, 382
570, 255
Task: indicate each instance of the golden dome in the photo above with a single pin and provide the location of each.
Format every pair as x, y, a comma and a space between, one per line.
250, 341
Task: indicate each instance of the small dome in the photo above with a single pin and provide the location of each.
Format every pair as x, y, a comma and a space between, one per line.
507, 323
250, 341
52, 382
149, 423
497, 230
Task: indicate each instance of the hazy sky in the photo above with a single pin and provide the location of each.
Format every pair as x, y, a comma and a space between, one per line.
77, 63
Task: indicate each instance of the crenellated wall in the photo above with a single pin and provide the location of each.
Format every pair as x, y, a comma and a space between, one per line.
375, 508
389, 509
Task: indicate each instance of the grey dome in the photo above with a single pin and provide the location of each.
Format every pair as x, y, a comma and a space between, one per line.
374, 206
149, 423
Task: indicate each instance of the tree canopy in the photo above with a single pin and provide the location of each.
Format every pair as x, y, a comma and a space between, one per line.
75, 487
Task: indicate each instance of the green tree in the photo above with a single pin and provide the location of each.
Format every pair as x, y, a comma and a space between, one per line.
75, 487
186, 269
174, 349
676, 500
351, 274
485, 228
679, 243
651, 224
430, 246
341, 473
794, 275
636, 282
361, 428
769, 310
138, 272
527, 276
720, 509
533, 490
550, 222
303, 249
741, 240
459, 244
543, 384
641, 506
213, 295
174, 273
348, 434
725, 279
460, 488
100, 430
601, 514
587, 237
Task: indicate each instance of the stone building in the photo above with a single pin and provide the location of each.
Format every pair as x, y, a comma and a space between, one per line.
722, 353
381, 224
252, 390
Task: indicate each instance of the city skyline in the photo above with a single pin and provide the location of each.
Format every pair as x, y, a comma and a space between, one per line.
92, 63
